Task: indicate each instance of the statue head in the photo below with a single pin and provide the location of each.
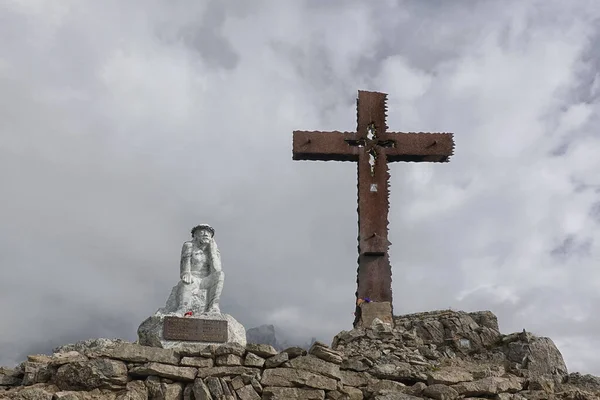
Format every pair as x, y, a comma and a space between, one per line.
203, 232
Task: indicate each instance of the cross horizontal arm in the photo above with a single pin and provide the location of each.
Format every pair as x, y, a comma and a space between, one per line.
324, 146
432, 147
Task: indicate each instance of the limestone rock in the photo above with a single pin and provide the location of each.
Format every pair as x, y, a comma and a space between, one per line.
239, 382
288, 377
10, 377
439, 348
117, 349
448, 376
252, 360
254, 382
489, 386
225, 371
416, 389
57, 359
17, 371
283, 393
135, 390
90, 348
98, 373
261, 350
227, 393
228, 360
440, 392
355, 364
355, 379
200, 362
230, 348
587, 382
188, 392
352, 393
215, 387
544, 383
384, 386
34, 392
323, 351
295, 351
485, 318
539, 355
95, 394
346, 337
87, 395
9, 380
317, 365
381, 328
201, 391
158, 390
35, 372
460, 328
247, 393
165, 371
398, 371
136, 353
276, 361
430, 352
395, 396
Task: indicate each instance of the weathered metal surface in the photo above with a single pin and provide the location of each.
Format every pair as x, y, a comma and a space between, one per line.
344, 146
323, 146
417, 147
372, 147
194, 329
371, 108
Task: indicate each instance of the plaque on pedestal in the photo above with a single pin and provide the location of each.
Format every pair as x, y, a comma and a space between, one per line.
195, 330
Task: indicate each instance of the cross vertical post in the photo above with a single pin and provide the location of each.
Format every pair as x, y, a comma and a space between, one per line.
372, 148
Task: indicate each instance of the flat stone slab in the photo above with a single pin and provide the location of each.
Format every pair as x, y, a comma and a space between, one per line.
165, 371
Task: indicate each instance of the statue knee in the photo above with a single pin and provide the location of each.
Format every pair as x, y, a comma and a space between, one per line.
183, 290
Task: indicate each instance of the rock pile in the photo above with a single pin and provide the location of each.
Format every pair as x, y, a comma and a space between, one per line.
443, 355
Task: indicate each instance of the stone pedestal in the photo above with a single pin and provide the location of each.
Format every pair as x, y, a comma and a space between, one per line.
191, 319
370, 311
193, 333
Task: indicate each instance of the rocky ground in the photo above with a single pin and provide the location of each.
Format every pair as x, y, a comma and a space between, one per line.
442, 355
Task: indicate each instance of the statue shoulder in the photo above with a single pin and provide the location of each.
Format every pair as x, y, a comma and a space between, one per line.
187, 247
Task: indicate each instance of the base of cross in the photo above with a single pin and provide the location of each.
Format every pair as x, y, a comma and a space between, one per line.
367, 312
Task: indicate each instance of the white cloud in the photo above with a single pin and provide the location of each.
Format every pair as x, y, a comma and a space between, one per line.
124, 125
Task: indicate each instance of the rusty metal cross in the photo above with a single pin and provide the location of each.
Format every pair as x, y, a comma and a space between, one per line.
372, 147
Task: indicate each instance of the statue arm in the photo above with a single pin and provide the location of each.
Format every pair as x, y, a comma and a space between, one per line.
215, 257
186, 257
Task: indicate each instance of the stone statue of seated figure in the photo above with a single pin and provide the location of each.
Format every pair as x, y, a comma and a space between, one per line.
194, 303
199, 289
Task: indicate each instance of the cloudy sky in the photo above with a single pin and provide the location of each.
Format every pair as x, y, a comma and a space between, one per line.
125, 123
